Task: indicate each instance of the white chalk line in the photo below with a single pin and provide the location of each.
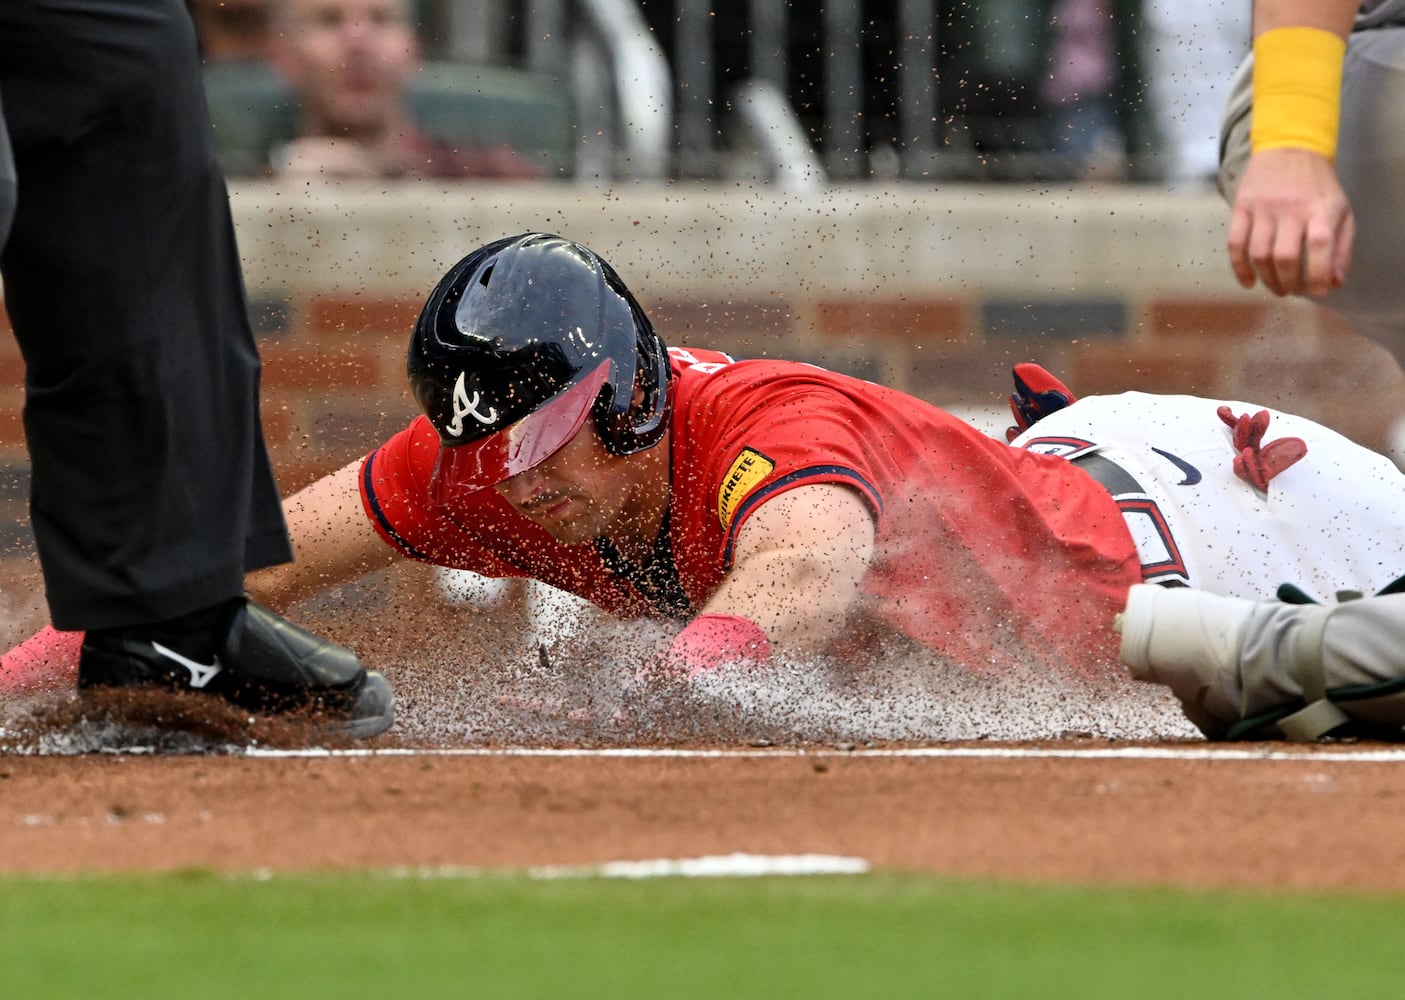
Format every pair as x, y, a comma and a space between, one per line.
750, 865
738, 865
1342, 755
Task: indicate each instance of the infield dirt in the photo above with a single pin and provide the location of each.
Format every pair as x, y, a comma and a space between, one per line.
795, 772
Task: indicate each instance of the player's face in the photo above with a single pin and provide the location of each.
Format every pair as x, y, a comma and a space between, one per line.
350, 59
580, 493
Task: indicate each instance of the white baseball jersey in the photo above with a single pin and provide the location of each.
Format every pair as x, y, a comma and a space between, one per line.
1331, 522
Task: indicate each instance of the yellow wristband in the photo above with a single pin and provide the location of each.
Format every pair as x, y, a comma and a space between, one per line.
1297, 90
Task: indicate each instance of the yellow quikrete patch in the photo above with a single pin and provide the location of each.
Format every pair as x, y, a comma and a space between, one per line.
748, 470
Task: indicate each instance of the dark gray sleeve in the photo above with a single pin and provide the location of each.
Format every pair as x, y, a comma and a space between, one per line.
1380, 14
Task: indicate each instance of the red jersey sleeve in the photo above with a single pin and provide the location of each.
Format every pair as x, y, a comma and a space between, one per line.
395, 496
756, 429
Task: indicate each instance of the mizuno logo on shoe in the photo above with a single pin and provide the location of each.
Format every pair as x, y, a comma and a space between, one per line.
200, 673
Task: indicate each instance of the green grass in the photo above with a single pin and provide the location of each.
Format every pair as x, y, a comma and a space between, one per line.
197, 935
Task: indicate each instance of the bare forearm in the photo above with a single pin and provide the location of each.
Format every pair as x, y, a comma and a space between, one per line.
799, 564
1335, 16
1292, 226
800, 601
333, 542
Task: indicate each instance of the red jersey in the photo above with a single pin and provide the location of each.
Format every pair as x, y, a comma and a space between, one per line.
985, 553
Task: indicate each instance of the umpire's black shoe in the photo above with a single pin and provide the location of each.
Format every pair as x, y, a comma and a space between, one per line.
247, 655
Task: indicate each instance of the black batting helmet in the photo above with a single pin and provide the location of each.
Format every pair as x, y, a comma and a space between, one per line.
517, 344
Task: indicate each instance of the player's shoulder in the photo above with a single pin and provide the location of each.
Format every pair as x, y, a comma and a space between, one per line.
701, 363
708, 371
697, 360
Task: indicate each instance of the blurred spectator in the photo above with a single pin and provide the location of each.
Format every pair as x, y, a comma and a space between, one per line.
351, 63
1193, 48
1078, 90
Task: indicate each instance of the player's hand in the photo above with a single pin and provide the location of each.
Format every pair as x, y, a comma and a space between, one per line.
1291, 226
709, 641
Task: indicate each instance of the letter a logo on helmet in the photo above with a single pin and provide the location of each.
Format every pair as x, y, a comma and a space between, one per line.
532, 336
465, 407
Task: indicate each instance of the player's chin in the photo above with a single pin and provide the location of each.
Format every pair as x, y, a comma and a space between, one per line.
570, 531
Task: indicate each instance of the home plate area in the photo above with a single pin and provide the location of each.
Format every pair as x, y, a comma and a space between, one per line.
531, 758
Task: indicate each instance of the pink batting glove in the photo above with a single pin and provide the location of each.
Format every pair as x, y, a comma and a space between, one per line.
48, 658
713, 640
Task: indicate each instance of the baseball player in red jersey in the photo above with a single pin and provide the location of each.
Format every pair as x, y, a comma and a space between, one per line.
891, 499
774, 508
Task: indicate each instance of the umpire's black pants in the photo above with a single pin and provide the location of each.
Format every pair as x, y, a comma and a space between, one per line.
152, 492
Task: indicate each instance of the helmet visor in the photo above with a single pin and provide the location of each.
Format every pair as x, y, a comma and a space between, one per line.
467, 468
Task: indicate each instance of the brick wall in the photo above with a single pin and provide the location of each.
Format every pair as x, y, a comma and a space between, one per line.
937, 292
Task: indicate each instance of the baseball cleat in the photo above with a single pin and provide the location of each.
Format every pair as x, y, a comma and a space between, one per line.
250, 657
373, 712
1188, 640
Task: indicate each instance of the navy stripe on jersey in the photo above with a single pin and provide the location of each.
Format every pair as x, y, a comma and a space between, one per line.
845, 473
379, 515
